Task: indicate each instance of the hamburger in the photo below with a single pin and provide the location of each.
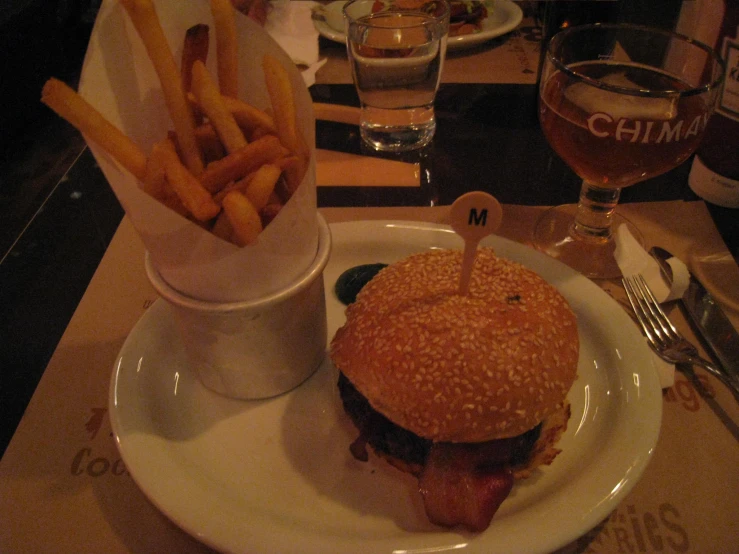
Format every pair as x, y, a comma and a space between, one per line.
467, 393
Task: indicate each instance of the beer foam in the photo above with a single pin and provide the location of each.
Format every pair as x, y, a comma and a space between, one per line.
620, 106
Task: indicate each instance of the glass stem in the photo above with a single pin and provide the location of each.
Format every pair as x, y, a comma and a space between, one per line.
595, 212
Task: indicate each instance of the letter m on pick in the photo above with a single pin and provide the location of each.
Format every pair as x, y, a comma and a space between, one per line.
478, 219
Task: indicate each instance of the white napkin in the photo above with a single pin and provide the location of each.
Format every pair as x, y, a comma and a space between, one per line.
290, 24
309, 74
632, 259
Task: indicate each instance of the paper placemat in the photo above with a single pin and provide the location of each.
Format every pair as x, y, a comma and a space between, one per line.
64, 489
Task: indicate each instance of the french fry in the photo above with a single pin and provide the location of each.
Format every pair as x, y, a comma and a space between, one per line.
65, 101
242, 162
248, 117
293, 169
258, 186
144, 18
155, 182
243, 217
284, 111
287, 162
226, 47
282, 190
196, 199
241, 185
210, 102
222, 228
209, 142
258, 133
269, 212
196, 46
294, 175
281, 97
262, 184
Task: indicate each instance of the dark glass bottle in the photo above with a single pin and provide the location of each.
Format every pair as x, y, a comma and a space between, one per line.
714, 175
556, 15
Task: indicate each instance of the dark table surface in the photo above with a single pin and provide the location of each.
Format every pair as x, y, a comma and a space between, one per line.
58, 213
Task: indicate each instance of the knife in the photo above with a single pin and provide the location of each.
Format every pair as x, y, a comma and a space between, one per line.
707, 317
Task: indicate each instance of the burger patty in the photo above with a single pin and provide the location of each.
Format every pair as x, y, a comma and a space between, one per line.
378, 431
385, 437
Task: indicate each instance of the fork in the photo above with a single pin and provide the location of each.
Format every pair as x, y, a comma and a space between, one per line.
662, 335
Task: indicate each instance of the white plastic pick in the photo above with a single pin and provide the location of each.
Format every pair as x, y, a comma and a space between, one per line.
474, 216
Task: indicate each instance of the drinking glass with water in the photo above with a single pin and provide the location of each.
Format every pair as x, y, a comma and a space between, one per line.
396, 54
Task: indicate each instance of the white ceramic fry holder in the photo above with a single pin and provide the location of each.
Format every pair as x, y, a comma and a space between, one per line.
474, 216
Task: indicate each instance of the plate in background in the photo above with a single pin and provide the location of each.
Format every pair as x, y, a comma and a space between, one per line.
504, 18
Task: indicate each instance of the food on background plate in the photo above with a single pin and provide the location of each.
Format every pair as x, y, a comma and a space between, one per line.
220, 146
465, 16
466, 392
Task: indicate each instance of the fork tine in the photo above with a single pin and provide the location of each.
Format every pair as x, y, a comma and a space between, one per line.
637, 305
665, 325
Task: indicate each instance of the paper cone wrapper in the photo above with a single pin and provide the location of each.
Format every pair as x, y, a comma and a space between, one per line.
119, 80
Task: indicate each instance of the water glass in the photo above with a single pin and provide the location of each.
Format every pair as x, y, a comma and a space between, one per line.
396, 55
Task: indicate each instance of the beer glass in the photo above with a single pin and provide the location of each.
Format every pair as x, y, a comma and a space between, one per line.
619, 104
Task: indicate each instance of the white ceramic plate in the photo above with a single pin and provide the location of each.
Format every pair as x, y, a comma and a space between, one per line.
276, 475
504, 18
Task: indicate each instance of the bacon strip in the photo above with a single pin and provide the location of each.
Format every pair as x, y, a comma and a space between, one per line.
463, 485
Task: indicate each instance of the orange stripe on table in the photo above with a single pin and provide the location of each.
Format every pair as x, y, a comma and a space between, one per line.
339, 169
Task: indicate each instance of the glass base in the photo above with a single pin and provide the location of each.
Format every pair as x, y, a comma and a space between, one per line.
398, 138
593, 257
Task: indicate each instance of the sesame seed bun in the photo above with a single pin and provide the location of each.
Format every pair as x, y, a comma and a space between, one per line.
489, 365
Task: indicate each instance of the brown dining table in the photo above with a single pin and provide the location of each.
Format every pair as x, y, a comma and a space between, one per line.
64, 487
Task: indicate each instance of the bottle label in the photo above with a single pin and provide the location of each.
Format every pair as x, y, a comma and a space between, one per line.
713, 187
729, 100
